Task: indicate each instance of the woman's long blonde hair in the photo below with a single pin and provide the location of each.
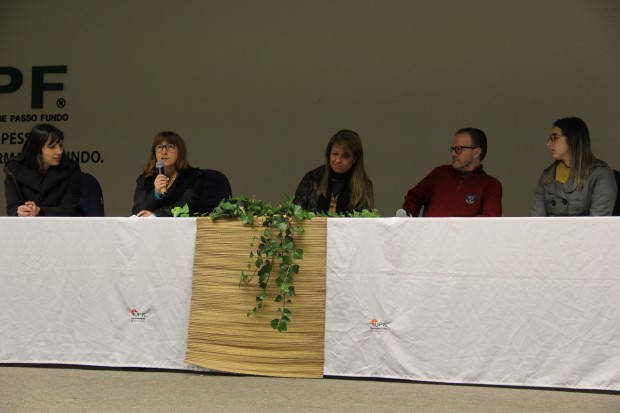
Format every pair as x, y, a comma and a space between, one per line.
577, 138
360, 187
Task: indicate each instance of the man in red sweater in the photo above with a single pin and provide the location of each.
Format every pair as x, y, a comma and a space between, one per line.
462, 189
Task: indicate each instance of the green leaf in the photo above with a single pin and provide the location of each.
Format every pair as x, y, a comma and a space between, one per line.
265, 269
278, 298
299, 254
274, 323
180, 211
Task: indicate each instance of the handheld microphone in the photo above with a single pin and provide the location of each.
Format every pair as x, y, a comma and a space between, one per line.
401, 213
160, 171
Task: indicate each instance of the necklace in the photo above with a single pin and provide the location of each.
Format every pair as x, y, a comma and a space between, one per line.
171, 180
333, 203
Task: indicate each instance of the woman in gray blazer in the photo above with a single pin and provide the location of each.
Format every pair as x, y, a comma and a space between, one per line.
576, 183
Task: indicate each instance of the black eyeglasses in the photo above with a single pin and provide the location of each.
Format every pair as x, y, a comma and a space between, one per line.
554, 137
459, 149
169, 147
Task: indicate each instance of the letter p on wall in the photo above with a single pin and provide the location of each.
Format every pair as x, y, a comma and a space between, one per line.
16, 79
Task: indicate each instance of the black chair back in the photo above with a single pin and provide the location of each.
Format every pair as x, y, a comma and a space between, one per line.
91, 200
216, 187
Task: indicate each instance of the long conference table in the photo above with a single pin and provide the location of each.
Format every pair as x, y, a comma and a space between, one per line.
496, 301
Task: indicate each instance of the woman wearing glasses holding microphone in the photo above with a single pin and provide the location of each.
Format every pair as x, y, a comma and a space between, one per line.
168, 180
576, 183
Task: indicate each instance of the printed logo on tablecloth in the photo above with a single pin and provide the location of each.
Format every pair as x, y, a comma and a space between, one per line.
137, 316
377, 326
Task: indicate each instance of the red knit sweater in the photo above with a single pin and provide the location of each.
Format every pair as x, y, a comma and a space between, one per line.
446, 193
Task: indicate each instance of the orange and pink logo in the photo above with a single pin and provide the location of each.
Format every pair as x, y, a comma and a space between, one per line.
137, 315
376, 325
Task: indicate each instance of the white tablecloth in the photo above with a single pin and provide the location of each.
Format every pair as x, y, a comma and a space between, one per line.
508, 301
523, 301
96, 291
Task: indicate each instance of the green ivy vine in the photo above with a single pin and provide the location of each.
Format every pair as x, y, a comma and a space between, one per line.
273, 253
273, 256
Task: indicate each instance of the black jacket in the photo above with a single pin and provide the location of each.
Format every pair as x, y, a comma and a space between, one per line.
57, 192
308, 197
186, 189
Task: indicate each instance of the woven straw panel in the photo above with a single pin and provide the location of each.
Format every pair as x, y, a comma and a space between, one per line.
221, 336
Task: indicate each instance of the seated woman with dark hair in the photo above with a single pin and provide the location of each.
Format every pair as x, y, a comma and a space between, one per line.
175, 184
42, 180
341, 185
576, 183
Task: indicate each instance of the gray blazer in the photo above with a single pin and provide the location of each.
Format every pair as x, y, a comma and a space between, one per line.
597, 197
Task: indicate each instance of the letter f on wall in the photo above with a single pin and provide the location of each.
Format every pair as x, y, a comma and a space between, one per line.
39, 85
